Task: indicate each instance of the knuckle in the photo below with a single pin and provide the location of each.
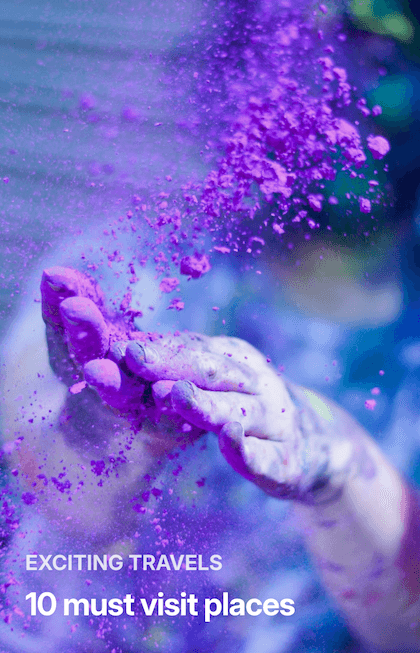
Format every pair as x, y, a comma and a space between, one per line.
208, 369
211, 372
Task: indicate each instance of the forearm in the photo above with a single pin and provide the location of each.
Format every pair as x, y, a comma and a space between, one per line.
362, 526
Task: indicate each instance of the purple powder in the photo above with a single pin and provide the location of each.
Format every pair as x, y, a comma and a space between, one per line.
315, 202
370, 404
98, 467
29, 498
77, 388
176, 304
168, 284
378, 146
195, 266
281, 130
365, 205
285, 142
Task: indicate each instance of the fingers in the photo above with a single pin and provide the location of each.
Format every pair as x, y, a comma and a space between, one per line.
117, 351
68, 319
205, 369
161, 391
264, 462
235, 449
210, 410
60, 283
112, 385
86, 330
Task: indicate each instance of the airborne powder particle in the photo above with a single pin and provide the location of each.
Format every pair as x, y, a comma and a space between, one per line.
365, 205
378, 146
195, 266
168, 284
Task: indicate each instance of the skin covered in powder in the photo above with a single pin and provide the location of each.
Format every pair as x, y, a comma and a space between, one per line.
75, 458
361, 521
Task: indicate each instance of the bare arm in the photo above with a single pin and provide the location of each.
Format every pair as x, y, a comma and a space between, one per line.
360, 519
363, 530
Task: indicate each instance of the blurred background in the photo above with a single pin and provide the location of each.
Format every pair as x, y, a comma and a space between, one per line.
98, 104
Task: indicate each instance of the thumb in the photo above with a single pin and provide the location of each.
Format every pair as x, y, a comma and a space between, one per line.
112, 385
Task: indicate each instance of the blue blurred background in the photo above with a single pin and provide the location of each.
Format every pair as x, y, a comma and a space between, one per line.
94, 113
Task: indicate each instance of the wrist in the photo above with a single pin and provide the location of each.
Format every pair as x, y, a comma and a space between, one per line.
331, 450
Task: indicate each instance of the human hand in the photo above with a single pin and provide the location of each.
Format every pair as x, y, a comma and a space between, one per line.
87, 344
289, 441
226, 386
186, 384
79, 458
188, 381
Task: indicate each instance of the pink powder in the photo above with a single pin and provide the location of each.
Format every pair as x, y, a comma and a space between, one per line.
370, 404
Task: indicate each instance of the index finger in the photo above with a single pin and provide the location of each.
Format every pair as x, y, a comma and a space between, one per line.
59, 283
206, 370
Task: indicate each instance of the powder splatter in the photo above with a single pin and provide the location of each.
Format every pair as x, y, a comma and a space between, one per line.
168, 284
378, 146
365, 205
281, 132
195, 266
370, 404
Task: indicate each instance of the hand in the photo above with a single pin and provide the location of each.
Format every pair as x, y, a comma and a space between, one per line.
75, 458
87, 346
289, 441
226, 386
192, 381
186, 384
